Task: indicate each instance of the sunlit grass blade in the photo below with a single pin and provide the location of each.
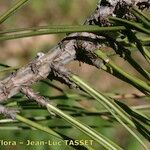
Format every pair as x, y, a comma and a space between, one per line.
140, 121
72, 28
125, 53
130, 24
133, 38
106, 102
24, 30
132, 113
85, 129
145, 41
110, 105
38, 126
115, 70
131, 131
144, 109
58, 29
138, 68
12, 10
141, 16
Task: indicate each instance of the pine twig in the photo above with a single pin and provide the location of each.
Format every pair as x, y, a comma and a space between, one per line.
66, 50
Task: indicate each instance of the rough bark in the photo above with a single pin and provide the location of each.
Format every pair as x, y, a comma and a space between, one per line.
76, 46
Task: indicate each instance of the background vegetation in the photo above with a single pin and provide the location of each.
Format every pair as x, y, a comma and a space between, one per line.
18, 52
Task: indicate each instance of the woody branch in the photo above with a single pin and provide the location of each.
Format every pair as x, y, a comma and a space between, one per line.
76, 46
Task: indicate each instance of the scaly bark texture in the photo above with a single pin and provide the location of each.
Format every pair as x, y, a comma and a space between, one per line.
76, 46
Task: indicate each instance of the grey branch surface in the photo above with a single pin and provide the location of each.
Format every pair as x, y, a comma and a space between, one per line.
75, 46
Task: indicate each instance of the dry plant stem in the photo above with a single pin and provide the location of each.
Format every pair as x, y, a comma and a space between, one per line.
10, 113
85, 129
19, 4
35, 96
67, 50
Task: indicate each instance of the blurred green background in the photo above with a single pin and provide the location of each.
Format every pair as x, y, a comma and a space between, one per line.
19, 52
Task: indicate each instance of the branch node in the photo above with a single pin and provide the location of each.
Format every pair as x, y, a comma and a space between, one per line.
4, 89
34, 68
7, 112
60, 73
42, 101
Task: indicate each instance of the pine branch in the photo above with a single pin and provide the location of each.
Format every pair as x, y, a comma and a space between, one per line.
69, 48
7, 112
